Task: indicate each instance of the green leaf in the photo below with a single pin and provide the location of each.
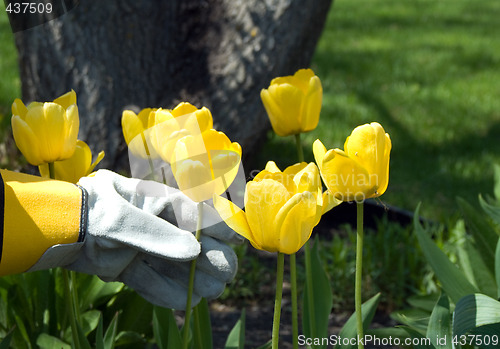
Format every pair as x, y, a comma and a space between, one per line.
99, 335
496, 189
322, 296
439, 327
421, 339
109, 337
84, 343
45, 341
453, 281
471, 262
497, 267
417, 319
350, 330
477, 313
129, 338
90, 319
166, 332
492, 211
5, 343
202, 328
236, 338
423, 302
485, 237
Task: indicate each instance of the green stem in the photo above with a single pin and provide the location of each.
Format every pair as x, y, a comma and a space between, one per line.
300, 151
293, 280
277, 302
187, 318
309, 287
74, 294
359, 272
52, 172
69, 289
71, 308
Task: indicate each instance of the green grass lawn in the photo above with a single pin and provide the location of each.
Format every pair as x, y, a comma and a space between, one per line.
429, 72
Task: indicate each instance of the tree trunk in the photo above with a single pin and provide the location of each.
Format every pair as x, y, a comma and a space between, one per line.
214, 53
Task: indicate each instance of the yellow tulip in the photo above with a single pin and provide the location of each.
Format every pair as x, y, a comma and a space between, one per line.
134, 127
281, 208
206, 164
293, 103
361, 170
46, 132
171, 125
74, 168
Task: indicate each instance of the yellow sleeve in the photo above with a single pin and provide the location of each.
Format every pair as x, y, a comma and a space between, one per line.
37, 213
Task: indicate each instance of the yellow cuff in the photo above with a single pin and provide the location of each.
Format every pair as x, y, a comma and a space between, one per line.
38, 213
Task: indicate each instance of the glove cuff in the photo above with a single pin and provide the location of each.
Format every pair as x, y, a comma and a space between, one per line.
38, 213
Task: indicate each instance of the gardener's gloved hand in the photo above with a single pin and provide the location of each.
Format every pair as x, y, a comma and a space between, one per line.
140, 233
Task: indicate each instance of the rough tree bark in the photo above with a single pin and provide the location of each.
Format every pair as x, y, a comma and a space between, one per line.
216, 53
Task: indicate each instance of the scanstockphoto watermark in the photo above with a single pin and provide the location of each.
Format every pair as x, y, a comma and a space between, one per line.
334, 340
371, 340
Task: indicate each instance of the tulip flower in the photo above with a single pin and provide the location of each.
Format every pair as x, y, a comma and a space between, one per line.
293, 103
206, 164
361, 170
76, 167
46, 132
171, 125
134, 127
281, 208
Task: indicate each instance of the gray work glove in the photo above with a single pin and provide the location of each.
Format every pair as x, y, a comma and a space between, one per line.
140, 233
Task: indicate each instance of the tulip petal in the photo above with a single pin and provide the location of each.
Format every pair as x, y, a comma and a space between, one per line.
18, 108
272, 167
295, 221
319, 151
329, 201
368, 146
100, 156
346, 179
234, 217
312, 105
67, 99
26, 140
283, 105
131, 125
263, 200
71, 128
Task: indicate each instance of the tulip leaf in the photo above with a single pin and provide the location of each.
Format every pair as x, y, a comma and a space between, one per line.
480, 315
202, 328
110, 335
45, 341
322, 299
453, 281
485, 237
350, 329
236, 338
472, 264
439, 328
496, 189
492, 211
5, 343
417, 319
99, 335
165, 329
497, 267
